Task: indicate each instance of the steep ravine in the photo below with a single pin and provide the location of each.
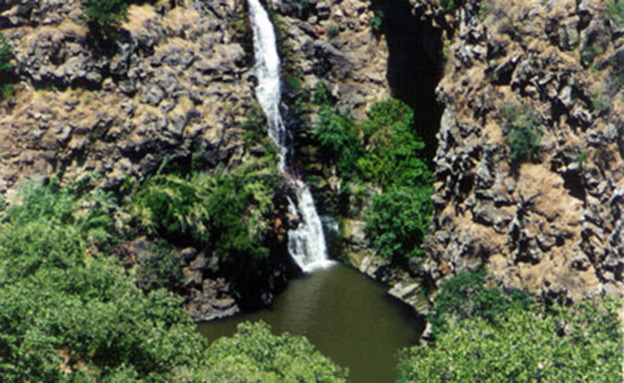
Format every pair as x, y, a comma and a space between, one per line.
179, 81
549, 223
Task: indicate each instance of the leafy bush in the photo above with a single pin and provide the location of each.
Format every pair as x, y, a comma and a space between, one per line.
333, 31
303, 8
90, 215
615, 13
394, 150
582, 344
171, 206
467, 296
338, 139
228, 213
255, 355
523, 132
105, 12
67, 318
6, 55
376, 22
448, 6
397, 222
160, 268
384, 149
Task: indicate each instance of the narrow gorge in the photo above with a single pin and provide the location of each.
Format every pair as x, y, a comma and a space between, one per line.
365, 191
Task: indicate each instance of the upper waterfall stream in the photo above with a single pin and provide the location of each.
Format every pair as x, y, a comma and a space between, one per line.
306, 244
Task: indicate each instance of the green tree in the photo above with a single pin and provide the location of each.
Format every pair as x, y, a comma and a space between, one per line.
338, 139
615, 12
105, 12
255, 355
393, 154
228, 213
385, 149
468, 296
582, 344
67, 317
397, 222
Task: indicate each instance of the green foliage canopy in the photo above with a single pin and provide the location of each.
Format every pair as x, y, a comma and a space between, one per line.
255, 355
6, 55
385, 149
615, 13
65, 312
523, 132
397, 222
468, 296
68, 317
105, 12
229, 213
394, 149
485, 334
583, 344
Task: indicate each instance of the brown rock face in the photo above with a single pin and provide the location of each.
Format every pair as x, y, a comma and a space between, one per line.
332, 42
551, 223
168, 81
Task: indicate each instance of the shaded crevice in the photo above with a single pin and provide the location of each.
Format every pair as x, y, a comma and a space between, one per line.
415, 64
573, 182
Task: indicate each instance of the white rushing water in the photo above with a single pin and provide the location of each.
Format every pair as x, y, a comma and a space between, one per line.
306, 244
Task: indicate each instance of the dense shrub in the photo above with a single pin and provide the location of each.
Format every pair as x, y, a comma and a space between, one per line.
69, 318
394, 149
467, 296
160, 267
384, 149
255, 355
448, 5
228, 213
397, 222
582, 344
523, 132
485, 334
615, 13
72, 317
6, 55
333, 31
105, 12
376, 22
338, 139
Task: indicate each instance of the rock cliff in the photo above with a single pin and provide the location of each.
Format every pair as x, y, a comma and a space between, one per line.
176, 79
551, 223
169, 81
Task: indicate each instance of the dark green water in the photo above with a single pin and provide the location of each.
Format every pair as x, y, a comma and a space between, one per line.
346, 315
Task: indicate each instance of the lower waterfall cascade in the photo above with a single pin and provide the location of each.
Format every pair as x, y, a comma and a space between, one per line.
306, 243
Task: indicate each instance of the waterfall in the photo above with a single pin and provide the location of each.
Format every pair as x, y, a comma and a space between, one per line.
306, 243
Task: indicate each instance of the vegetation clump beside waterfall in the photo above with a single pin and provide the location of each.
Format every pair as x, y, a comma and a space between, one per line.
228, 213
385, 150
72, 313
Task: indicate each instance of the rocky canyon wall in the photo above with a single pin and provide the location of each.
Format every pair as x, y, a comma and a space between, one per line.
551, 223
177, 77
